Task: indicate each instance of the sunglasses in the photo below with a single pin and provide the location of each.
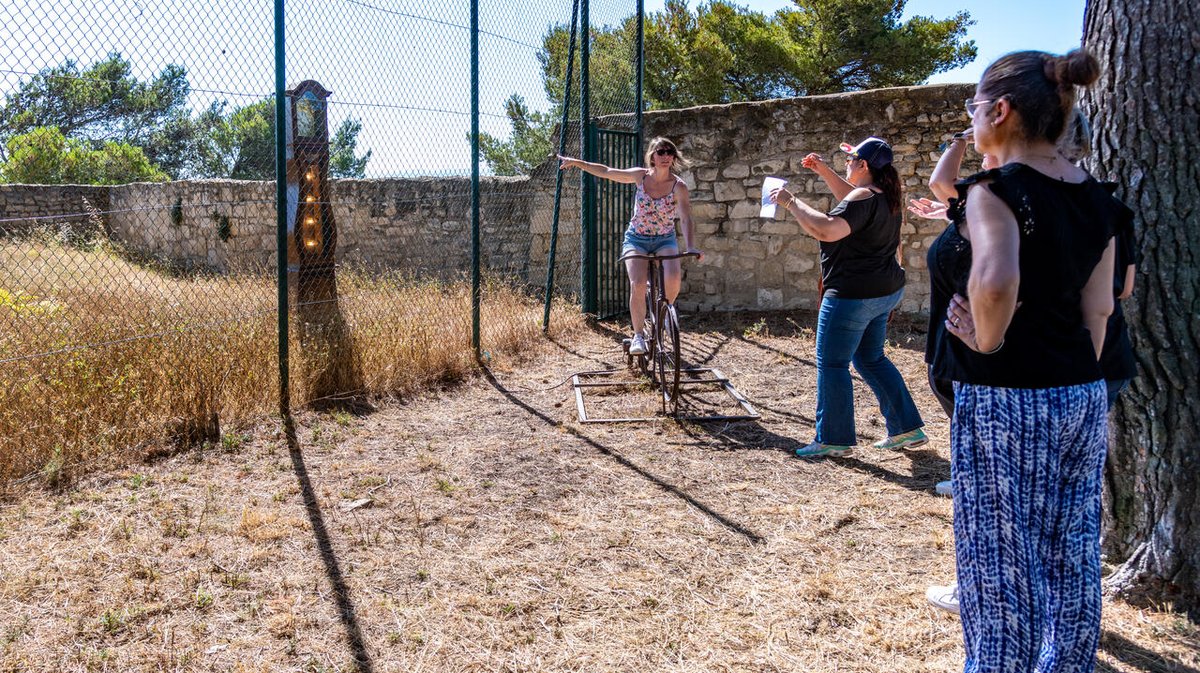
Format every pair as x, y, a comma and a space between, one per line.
665, 151
973, 105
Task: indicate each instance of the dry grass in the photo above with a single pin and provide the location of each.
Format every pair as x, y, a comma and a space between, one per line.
106, 360
500, 534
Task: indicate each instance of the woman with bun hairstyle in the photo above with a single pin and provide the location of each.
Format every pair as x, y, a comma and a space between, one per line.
1025, 291
863, 281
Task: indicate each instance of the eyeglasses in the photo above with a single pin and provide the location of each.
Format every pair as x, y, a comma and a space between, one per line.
973, 105
664, 151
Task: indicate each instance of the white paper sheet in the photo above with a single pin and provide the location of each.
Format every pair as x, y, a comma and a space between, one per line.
769, 183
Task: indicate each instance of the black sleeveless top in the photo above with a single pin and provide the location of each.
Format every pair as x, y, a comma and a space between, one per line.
1063, 230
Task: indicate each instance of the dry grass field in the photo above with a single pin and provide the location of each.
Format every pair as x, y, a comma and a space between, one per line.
104, 359
478, 526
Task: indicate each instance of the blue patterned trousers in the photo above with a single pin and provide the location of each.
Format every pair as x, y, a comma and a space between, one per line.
1027, 467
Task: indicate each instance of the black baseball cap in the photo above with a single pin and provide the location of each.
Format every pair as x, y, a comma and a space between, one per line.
875, 151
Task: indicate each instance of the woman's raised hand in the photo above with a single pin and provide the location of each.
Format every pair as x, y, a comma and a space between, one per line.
566, 162
812, 161
928, 209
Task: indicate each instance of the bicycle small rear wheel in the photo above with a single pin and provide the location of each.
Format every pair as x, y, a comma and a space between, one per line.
666, 357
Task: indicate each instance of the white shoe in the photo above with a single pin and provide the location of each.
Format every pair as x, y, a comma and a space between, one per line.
944, 488
945, 597
637, 345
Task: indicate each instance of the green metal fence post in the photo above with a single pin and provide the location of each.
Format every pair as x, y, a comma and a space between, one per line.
475, 293
281, 204
587, 256
558, 178
641, 70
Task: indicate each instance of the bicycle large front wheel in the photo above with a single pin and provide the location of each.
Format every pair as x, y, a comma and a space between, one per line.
666, 358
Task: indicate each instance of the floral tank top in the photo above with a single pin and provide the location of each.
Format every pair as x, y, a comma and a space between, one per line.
654, 217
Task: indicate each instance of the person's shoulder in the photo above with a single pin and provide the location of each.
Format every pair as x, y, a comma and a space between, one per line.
859, 194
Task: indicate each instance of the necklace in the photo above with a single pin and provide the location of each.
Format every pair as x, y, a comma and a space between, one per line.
1021, 158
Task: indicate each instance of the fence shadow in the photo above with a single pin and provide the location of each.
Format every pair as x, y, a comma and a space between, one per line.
333, 570
674, 490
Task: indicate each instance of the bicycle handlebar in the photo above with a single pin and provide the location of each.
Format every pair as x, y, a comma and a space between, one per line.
633, 255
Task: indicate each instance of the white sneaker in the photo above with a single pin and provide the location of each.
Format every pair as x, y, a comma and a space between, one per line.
945, 488
945, 597
637, 345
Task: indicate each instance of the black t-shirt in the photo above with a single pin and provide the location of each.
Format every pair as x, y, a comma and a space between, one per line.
863, 265
1063, 229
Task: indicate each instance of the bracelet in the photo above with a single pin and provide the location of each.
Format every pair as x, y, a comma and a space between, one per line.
994, 350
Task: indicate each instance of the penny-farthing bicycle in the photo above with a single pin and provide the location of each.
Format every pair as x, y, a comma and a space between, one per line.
661, 332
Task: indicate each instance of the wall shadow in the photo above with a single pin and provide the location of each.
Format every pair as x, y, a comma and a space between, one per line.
341, 593
721, 519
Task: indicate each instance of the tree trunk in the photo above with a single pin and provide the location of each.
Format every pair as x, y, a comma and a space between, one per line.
1146, 136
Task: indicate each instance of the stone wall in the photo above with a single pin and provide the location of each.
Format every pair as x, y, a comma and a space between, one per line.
421, 225
417, 225
26, 207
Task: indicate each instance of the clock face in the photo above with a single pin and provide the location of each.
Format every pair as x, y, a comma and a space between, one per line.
307, 109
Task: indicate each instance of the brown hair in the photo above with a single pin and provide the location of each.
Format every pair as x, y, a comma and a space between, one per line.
1040, 86
659, 141
888, 180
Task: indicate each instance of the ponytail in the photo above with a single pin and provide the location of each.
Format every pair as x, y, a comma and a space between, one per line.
888, 180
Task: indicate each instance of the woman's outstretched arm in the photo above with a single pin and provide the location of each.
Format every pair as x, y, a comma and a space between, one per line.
630, 176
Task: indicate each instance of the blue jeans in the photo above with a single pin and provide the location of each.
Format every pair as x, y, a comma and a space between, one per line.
649, 245
853, 330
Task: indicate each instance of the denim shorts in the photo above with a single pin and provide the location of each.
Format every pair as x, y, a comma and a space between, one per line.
647, 245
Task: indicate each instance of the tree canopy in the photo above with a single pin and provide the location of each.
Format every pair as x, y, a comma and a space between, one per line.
102, 125
724, 53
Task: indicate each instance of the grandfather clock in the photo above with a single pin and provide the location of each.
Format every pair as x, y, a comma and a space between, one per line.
313, 232
326, 348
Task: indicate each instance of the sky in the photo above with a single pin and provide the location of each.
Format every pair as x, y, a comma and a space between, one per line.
400, 66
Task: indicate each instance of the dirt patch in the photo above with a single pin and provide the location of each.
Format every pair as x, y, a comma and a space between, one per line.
482, 528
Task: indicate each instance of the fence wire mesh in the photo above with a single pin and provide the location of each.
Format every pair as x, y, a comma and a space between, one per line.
138, 295
132, 318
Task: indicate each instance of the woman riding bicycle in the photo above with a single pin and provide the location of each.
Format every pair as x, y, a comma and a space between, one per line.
660, 209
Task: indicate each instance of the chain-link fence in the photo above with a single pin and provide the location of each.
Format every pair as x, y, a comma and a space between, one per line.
139, 297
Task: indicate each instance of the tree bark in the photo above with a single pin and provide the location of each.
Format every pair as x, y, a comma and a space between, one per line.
1146, 137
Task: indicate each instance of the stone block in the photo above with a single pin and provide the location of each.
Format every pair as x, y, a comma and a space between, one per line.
778, 227
744, 210
708, 210
736, 171
798, 263
728, 191
769, 299
769, 167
